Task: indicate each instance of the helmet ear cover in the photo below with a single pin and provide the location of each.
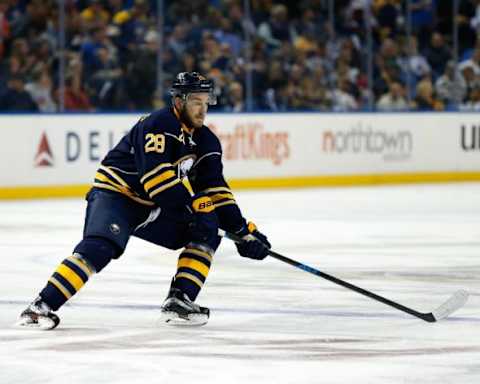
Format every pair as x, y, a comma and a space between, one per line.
192, 82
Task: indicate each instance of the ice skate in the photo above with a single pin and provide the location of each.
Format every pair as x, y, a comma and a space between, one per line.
178, 309
38, 315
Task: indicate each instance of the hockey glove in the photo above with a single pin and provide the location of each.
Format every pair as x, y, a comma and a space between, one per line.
254, 245
204, 227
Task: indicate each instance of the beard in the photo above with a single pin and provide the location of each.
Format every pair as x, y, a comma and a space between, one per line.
187, 120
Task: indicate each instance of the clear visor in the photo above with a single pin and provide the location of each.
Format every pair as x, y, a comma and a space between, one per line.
212, 98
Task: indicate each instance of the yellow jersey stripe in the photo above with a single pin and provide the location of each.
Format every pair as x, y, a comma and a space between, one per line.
197, 252
154, 170
217, 189
106, 179
218, 205
187, 185
111, 188
114, 175
159, 179
84, 267
191, 277
221, 196
164, 187
61, 288
70, 276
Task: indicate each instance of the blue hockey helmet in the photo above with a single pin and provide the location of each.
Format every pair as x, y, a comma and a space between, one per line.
193, 82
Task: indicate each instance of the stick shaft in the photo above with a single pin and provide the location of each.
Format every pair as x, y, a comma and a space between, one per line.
424, 316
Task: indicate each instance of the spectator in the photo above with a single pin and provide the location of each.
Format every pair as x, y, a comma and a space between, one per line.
135, 25
422, 13
342, 100
76, 99
225, 35
451, 86
394, 99
437, 54
466, 34
414, 62
16, 99
106, 83
473, 103
4, 28
235, 98
277, 29
142, 74
90, 47
95, 15
388, 57
471, 80
387, 15
177, 41
40, 89
425, 99
473, 62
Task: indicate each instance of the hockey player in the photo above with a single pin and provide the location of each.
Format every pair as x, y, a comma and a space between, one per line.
163, 183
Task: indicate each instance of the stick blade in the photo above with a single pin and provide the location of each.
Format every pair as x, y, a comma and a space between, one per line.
455, 302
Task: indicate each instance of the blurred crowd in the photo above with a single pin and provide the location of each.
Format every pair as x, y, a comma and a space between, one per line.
297, 58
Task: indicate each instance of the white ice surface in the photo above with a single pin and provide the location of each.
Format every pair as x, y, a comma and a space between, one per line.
270, 322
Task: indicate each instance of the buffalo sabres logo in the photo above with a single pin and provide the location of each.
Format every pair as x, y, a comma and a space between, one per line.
185, 166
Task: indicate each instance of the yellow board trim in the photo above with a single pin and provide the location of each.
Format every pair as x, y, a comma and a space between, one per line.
353, 180
44, 192
70, 275
55, 191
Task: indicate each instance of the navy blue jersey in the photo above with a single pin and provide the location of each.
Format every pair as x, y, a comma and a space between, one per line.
160, 162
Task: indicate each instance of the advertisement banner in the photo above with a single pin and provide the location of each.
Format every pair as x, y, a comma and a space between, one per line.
55, 150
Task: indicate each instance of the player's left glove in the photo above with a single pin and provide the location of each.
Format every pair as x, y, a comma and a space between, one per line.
204, 227
255, 244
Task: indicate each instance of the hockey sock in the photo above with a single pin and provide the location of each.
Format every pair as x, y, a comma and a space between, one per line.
67, 280
192, 270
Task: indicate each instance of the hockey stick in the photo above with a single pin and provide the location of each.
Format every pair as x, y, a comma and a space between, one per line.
456, 301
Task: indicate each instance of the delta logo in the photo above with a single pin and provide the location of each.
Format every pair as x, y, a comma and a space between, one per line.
44, 156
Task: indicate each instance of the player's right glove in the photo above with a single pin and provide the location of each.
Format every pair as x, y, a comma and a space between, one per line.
255, 244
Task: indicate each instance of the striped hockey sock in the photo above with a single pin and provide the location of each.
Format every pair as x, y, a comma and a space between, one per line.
67, 280
192, 270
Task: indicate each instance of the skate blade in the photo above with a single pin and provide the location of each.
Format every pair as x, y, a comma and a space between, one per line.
42, 323
192, 320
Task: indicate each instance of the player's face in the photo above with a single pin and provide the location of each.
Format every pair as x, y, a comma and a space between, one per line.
195, 109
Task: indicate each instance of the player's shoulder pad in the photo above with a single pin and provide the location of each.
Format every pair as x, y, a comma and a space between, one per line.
159, 121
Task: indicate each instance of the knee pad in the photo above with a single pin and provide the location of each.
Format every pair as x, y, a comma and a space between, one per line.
97, 251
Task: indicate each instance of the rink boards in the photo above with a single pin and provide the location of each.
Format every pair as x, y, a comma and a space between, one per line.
56, 155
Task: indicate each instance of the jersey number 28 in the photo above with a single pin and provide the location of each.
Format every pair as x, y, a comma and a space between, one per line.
155, 143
